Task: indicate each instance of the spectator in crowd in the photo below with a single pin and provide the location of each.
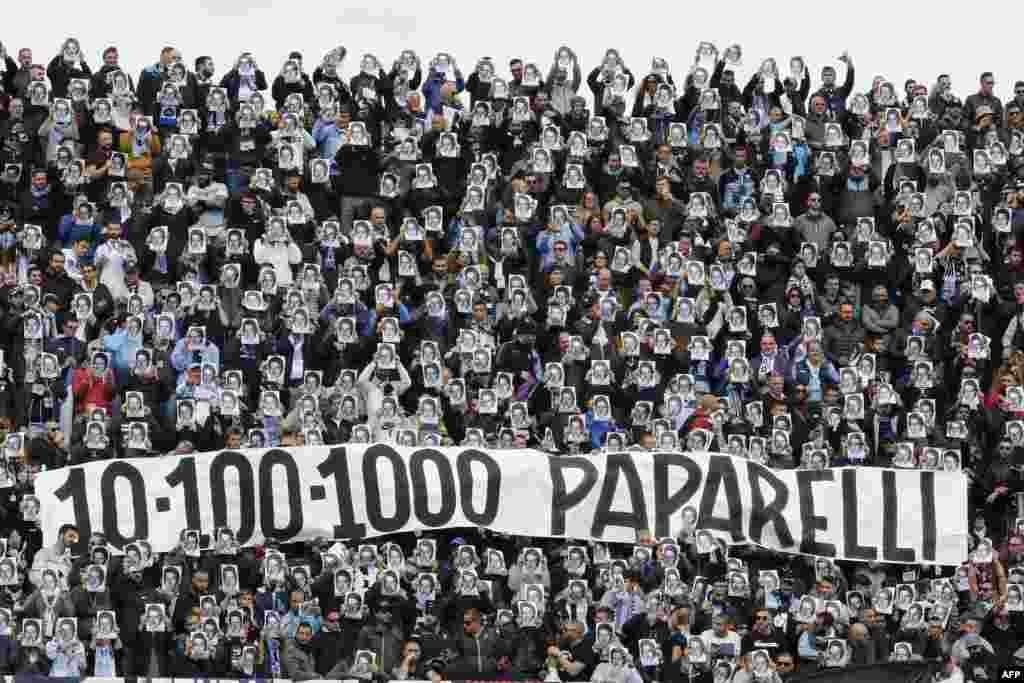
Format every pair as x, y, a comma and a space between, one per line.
375, 255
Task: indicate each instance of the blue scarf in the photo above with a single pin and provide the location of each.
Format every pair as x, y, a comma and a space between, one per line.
274, 655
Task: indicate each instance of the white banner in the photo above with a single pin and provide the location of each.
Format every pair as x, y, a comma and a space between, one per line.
358, 491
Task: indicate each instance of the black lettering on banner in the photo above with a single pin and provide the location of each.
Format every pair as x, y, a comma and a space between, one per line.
371, 483
271, 459
185, 473
604, 516
74, 488
929, 525
493, 490
762, 515
420, 498
666, 505
721, 472
140, 512
852, 550
562, 500
245, 500
811, 523
336, 465
891, 552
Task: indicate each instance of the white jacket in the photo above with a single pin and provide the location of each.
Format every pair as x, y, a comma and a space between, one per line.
373, 396
282, 257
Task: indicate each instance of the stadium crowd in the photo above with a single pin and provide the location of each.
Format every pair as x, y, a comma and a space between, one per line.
800, 270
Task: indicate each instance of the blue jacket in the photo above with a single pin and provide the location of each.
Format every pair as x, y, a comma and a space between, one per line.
328, 138
365, 319
734, 187
122, 349
8, 654
826, 374
571, 234
68, 232
181, 359
432, 91
597, 429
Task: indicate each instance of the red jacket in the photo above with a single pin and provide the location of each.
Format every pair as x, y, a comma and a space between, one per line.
90, 391
698, 420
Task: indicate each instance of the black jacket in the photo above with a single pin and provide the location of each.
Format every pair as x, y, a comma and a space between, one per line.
61, 73
281, 90
61, 285
231, 82
99, 85
358, 169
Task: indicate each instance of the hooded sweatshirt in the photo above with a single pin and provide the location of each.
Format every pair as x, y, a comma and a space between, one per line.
817, 229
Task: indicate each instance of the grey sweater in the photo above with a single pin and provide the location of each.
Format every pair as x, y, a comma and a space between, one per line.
881, 323
817, 229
